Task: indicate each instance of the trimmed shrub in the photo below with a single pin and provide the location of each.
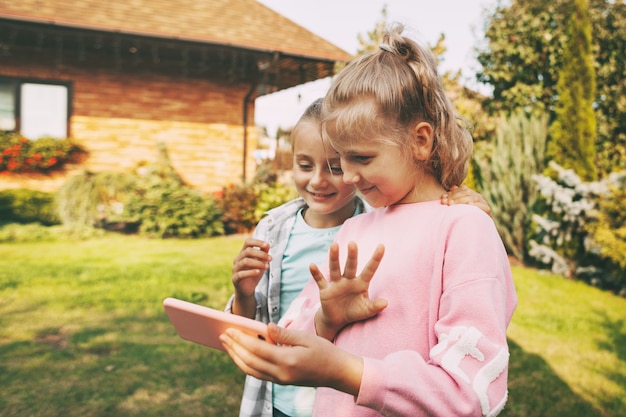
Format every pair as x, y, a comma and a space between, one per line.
28, 206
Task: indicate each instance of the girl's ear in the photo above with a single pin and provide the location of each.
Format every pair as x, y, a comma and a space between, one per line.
423, 138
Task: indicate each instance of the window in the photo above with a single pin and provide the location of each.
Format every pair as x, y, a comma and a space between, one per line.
34, 109
7, 105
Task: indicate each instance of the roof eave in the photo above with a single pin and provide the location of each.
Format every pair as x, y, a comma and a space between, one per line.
73, 25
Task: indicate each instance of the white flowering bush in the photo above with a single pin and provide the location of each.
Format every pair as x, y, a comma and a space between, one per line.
580, 228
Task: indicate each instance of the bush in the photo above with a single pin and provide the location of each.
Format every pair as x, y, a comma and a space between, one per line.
272, 195
164, 207
244, 205
94, 199
238, 206
18, 154
505, 168
609, 236
579, 228
28, 206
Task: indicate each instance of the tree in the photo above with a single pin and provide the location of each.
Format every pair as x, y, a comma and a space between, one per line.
574, 129
522, 59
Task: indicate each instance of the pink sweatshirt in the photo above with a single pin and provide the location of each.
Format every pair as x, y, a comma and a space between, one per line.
439, 348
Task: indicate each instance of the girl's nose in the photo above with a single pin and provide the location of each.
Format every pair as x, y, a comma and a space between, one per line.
319, 178
350, 177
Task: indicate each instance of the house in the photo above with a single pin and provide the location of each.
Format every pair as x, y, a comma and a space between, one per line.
122, 77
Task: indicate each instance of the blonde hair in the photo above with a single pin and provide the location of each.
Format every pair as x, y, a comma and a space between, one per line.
312, 114
384, 94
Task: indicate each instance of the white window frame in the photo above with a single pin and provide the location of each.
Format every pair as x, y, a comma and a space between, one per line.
40, 108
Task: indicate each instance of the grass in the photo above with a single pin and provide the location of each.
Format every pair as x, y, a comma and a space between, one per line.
83, 333
568, 349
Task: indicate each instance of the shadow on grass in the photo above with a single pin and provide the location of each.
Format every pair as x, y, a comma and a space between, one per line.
138, 366
616, 344
133, 366
536, 390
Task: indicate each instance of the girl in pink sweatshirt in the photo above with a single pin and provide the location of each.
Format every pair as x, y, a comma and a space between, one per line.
415, 322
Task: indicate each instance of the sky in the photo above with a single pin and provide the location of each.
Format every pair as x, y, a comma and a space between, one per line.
341, 21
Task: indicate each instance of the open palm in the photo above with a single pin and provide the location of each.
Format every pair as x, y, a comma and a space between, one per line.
345, 296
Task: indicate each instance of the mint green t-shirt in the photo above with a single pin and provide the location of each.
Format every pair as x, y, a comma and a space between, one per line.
306, 245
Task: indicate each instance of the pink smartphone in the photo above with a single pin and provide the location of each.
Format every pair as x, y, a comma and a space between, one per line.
204, 325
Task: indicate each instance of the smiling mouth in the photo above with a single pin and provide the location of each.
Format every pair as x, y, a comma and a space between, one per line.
318, 195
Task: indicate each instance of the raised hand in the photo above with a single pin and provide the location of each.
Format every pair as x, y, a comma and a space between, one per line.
248, 269
345, 296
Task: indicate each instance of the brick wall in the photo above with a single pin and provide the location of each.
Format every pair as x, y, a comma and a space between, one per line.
122, 110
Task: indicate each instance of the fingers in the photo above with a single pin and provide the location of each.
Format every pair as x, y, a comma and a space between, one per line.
350, 269
465, 195
256, 243
334, 268
379, 305
318, 276
242, 349
372, 265
262, 359
351, 261
252, 260
283, 336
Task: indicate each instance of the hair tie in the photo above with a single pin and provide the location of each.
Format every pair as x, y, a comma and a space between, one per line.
385, 47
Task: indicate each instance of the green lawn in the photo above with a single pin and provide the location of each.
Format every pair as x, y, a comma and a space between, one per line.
83, 333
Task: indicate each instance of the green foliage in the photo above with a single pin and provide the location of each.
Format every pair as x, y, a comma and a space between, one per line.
244, 205
609, 34
238, 205
28, 206
522, 60
36, 232
573, 132
609, 234
505, 169
163, 207
153, 200
272, 195
18, 154
521, 55
94, 199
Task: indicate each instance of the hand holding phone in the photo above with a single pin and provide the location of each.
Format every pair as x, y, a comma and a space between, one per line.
204, 325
